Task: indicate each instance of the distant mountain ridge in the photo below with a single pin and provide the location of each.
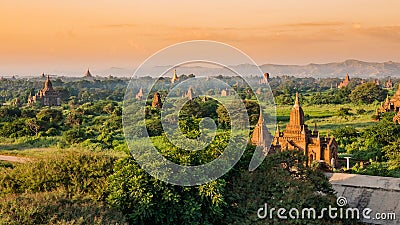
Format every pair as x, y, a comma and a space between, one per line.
354, 68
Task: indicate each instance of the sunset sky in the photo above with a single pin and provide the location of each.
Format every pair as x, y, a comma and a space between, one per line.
70, 36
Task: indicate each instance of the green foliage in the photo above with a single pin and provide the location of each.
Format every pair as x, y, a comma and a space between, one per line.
27, 142
392, 153
8, 113
379, 143
5, 164
73, 136
280, 181
343, 112
360, 111
14, 129
50, 115
376, 169
146, 200
368, 93
336, 96
81, 174
371, 141
55, 208
345, 136
223, 117
64, 188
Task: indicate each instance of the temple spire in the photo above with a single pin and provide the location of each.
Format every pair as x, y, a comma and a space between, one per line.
189, 93
278, 131
347, 77
296, 101
260, 118
261, 135
174, 77
47, 84
315, 131
87, 73
139, 95
297, 114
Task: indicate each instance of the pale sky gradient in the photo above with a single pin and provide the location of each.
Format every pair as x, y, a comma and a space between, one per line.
58, 36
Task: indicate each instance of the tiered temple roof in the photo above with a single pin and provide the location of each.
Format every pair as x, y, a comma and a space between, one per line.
47, 96
345, 82
261, 136
297, 136
157, 101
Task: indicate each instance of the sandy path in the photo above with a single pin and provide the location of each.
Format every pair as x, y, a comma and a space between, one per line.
11, 158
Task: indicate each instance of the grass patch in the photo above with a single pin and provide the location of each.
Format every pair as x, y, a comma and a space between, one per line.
5, 164
326, 116
42, 153
55, 208
29, 142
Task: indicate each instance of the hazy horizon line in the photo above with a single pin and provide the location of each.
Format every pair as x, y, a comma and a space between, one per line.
105, 72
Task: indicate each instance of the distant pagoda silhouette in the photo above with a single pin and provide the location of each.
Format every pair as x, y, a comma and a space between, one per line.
46, 96
345, 82
157, 101
88, 74
174, 77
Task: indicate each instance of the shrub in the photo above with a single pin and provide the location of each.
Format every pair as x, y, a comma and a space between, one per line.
146, 200
80, 174
54, 208
360, 111
6, 164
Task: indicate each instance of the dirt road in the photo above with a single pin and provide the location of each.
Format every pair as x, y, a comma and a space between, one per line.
11, 158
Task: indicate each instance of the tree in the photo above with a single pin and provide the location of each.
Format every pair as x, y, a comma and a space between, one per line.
345, 136
371, 141
51, 116
8, 113
392, 153
146, 200
109, 108
74, 135
33, 125
343, 112
368, 93
74, 118
224, 119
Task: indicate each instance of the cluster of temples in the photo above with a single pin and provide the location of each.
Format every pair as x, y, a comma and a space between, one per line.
297, 136
392, 105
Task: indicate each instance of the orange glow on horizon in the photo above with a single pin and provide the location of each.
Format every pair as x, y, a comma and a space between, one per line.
48, 35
